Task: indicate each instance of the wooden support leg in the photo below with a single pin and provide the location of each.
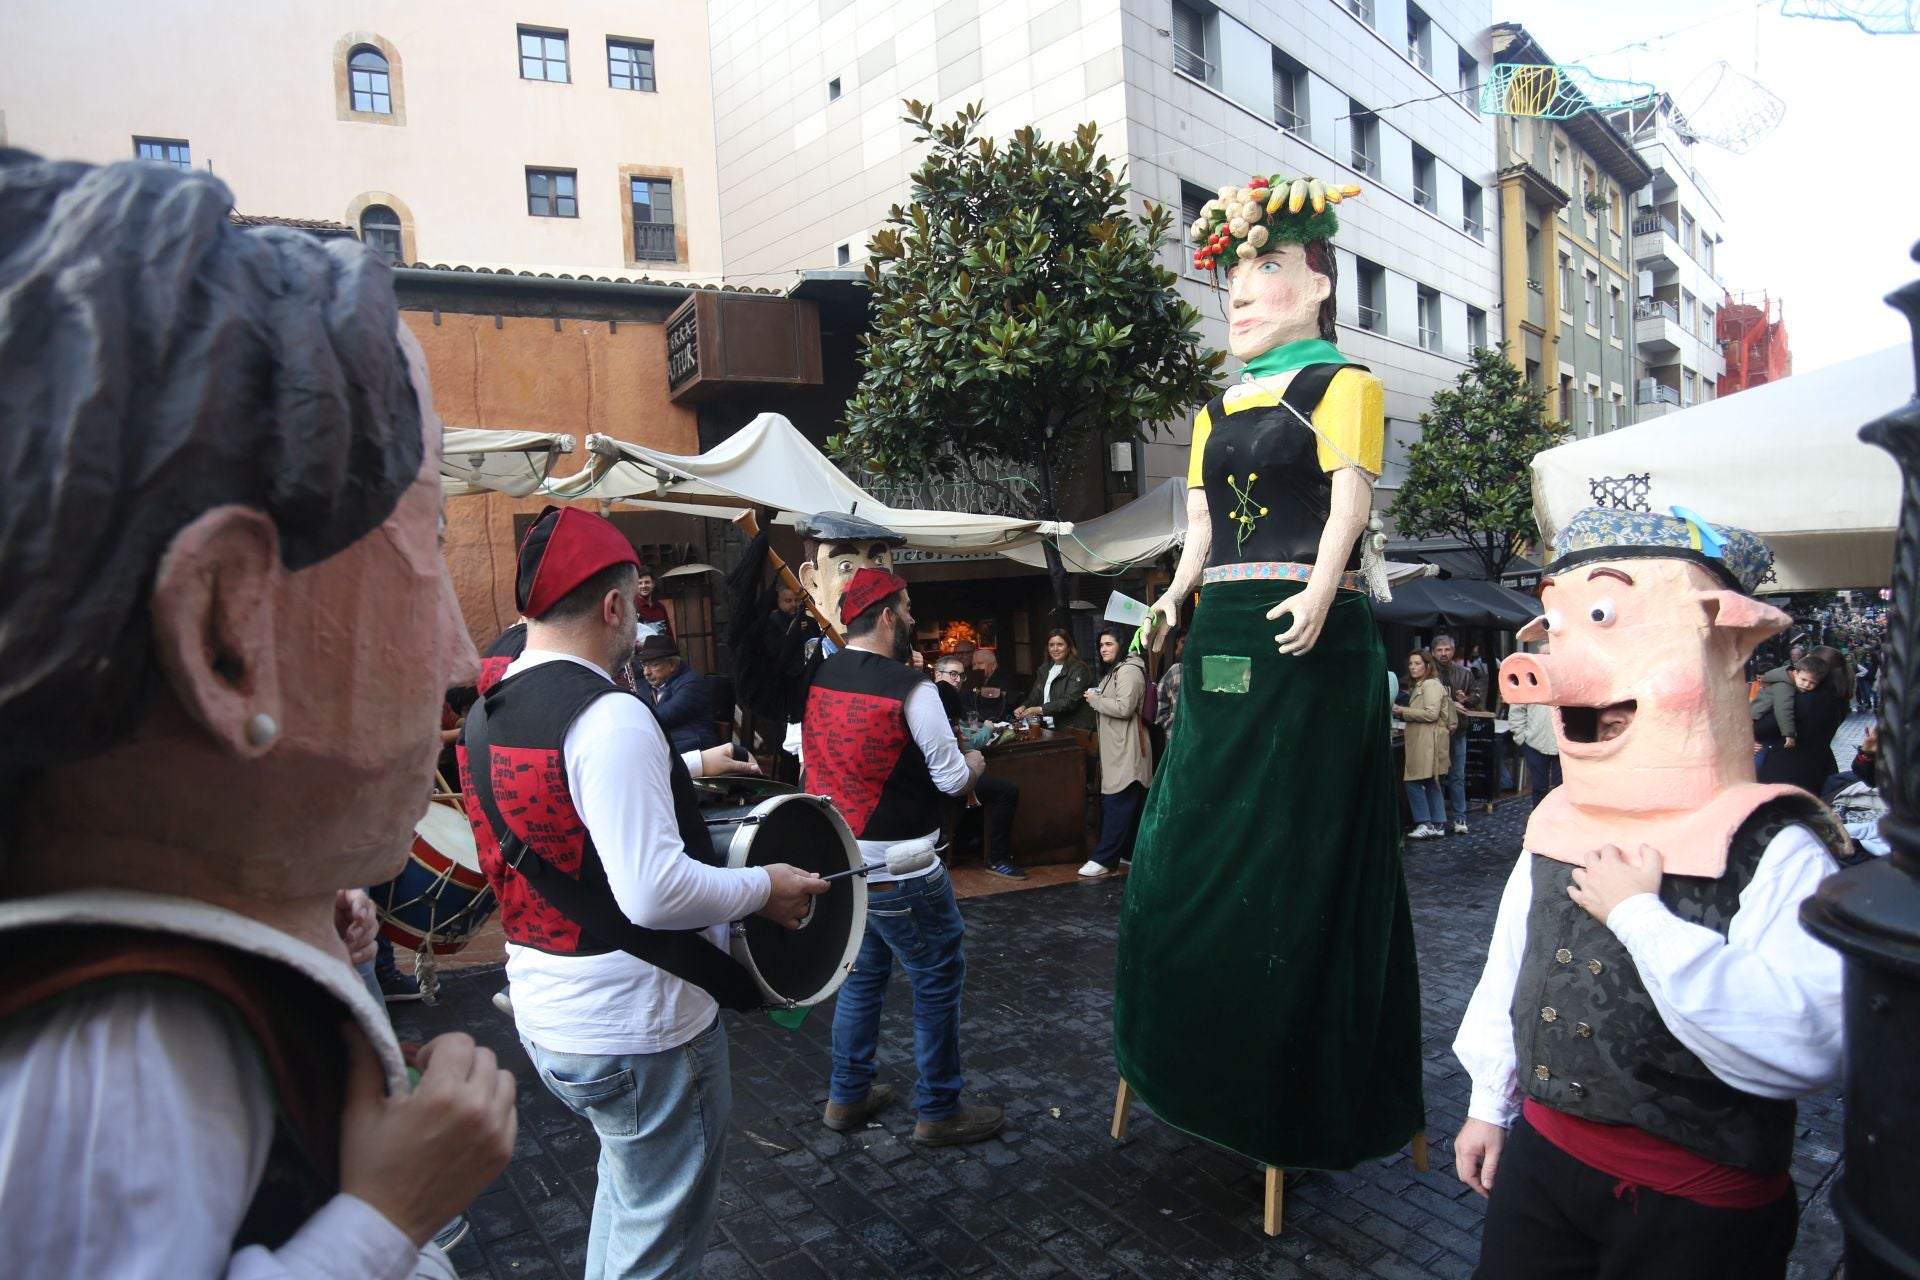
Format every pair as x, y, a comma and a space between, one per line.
1275, 1181
1122, 1103
1421, 1160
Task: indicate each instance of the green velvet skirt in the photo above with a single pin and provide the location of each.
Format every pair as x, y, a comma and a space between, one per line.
1267, 998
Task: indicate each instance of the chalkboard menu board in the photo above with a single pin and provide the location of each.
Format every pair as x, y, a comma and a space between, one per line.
1484, 750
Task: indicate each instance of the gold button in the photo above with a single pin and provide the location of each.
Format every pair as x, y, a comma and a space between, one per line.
1582, 1029
1594, 967
1541, 1073
1564, 956
1549, 1014
1577, 1089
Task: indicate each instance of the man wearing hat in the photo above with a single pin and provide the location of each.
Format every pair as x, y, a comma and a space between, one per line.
682, 701
1651, 1006
615, 914
875, 738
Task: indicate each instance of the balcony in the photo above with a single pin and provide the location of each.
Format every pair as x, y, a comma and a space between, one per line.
654, 242
1656, 327
1656, 244
1653, 400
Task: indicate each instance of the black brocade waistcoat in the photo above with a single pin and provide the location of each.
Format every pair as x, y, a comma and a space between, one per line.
1590, 1041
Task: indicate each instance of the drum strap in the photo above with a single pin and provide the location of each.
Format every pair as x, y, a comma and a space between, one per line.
686, 954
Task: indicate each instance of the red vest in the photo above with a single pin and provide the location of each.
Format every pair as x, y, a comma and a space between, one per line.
859, 750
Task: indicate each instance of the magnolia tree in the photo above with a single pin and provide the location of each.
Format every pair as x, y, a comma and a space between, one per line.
1469, 476
1019, 312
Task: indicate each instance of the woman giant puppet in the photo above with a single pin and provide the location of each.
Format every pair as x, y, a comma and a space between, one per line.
1267, 999
225, 632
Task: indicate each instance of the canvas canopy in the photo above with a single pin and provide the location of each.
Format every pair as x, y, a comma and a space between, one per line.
1141, 531
768, 463
511, 462
1784, 460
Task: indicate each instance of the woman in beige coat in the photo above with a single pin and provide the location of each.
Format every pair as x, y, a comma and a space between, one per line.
1126, 763
1429, 715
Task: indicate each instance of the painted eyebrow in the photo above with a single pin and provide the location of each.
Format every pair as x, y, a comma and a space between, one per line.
1606, 572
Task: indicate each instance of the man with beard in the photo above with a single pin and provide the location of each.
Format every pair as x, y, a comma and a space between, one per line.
876, 739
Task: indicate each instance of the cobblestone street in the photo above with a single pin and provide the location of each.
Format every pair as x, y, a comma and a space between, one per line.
1054, 1195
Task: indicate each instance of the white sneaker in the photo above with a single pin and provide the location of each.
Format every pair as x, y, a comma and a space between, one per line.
1427, 831
1093, 870
1459, 829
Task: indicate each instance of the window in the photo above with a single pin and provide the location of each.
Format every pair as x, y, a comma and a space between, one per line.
1688, 381
1686, 231
653, 229
1613, 209
629, 64
550, 194
1476, 328
842, 255
1590, 187
1560, 173
1706, 390
1372, 293
1361, 9
543, 55
1706, 252
1289, 93
833, 89
1427, 307
380, 232
1593, 300
1613, 312
1425, 179
171, 151
1689, 312
1419, 39
369, 81
1365, 128
1190, 43
1593, 410
1192, 200
1471, 209
1566, 398
1615, 410
1470, 80
1566, 284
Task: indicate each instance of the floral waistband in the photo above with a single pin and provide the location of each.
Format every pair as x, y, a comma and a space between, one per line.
1284, 569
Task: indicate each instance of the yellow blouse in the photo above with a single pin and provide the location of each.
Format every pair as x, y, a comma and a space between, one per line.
1352, 415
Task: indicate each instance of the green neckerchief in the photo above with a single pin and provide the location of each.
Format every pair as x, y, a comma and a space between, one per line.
1289, 356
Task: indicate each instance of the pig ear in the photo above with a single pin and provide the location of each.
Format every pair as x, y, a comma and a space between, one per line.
1535, 630
1754, 620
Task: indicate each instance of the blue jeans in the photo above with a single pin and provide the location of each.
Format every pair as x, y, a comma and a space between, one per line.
919, 922
662, 1121
1543, 772
1119, 823
1457, 777
1428, 805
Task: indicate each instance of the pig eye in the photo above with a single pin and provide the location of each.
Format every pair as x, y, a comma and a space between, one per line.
1602, 612
1550, 620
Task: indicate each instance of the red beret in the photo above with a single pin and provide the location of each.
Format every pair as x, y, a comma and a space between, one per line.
869, 587
564, 548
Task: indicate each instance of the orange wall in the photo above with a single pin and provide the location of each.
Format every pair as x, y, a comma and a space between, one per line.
524, 375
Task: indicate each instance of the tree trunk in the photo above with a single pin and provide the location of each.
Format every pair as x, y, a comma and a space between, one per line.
1056, 568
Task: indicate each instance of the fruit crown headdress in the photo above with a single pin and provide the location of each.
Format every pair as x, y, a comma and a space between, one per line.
1240, 222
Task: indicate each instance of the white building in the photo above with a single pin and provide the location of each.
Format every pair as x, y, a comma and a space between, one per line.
1190, 94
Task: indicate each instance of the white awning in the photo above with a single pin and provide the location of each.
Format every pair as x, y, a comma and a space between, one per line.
509, 462
1784, 460
768, 463
1140, 531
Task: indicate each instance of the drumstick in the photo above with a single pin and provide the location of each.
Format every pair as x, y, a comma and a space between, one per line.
901, 860
750, 526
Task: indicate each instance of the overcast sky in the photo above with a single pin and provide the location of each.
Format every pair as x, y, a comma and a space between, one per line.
1844, 161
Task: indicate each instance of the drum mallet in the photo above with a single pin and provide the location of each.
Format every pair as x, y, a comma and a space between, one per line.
902, 860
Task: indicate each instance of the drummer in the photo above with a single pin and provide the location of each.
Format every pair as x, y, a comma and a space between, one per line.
626, 1044
874, 738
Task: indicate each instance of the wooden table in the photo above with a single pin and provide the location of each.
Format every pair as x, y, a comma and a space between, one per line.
1051, 772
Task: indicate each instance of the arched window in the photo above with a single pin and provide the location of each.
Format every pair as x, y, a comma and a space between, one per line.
380, 232
371, 85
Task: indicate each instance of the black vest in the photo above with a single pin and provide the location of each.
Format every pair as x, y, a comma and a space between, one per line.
1281, 454
859, 750
537, 853
1590, 1041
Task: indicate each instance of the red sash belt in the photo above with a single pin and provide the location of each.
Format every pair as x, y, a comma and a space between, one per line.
1639, 1159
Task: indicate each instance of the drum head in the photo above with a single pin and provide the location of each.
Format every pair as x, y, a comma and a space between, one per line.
806, 965
448, 832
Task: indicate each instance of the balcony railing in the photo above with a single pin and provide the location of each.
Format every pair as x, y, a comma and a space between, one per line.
1371, 319
1655, 225
655, 242
1365, 164
1424, 198
1192, 62
1655, 309
1473, 228
1287, 118
1361, 9
1655, 393
1419, 58
1429, 338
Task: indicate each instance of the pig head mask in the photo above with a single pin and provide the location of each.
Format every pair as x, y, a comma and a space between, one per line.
1650, 636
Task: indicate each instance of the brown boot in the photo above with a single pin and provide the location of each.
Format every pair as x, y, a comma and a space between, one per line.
970, 1123
844, 1117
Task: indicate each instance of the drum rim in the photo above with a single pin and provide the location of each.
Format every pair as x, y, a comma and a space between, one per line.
438, 861
737, 849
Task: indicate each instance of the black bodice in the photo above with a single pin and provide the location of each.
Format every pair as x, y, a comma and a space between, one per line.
1280, 512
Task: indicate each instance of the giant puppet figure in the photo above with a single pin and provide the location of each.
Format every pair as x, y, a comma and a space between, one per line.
225, 632
1650, 1006
1267, 998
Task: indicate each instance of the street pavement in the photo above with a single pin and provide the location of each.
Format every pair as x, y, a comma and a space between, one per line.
1054, 1194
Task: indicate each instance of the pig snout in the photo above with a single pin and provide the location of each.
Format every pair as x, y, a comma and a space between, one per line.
1525, 677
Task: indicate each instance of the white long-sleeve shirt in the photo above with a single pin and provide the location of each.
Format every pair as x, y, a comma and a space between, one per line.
618, 774
1760, 1007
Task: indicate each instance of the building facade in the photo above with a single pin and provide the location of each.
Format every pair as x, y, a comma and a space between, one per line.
1677, 232
530, 135
1189, 94
1566, 253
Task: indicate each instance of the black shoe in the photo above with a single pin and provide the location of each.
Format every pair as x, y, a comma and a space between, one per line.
844, 1117
972, 1123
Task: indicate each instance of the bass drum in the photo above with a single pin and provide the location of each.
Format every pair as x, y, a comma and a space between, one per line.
796, 967
441, 898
